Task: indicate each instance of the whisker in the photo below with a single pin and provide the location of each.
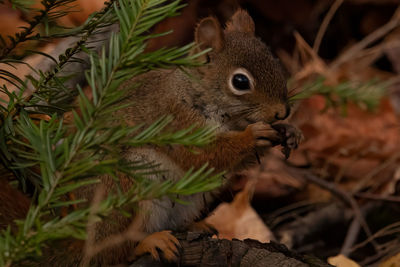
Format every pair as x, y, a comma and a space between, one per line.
294, 91
244, 113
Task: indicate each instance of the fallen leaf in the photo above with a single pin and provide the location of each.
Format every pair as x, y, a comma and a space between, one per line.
239, 220
342, 261
392, 262
350, 147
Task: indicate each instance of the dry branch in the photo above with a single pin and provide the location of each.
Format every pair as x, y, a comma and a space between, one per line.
325, 23
349, 200
294, 234
350, 53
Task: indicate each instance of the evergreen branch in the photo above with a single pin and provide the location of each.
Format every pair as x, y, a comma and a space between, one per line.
73, 225
23, 5
87, 30
17, 103
188, 137
366, 95
26, 34
44, 145
69, 155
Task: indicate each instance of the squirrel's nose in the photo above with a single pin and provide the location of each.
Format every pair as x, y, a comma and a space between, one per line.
283, 114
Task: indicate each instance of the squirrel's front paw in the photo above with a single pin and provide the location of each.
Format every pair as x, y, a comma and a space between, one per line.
163, 241
290, 137
263, 134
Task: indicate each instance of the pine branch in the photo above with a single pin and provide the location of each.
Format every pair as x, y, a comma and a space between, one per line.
26, 34
48, 83
23, 5
366, 95
66, 157
188, 137
98, 20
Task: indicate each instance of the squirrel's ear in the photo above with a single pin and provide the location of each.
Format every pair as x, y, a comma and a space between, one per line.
209, 34
241, 22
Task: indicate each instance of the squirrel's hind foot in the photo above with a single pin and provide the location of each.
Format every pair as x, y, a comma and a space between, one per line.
162, 241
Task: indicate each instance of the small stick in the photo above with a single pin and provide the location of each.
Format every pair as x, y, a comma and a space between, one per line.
391, 229
351, 237
378, 169
92, 248
372, 37
377, 197
343, 195
325, 23
90, 226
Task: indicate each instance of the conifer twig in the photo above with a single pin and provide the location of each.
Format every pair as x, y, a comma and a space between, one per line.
24, 35
66, 157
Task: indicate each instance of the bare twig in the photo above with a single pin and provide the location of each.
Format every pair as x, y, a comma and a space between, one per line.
377, 197
92, 248
304, 227
325, 23
90, 226
131, 234
312, 63
375, 171
377, 50
351, 237
390, 248
286, 212
393, 228
350, 53
343, 195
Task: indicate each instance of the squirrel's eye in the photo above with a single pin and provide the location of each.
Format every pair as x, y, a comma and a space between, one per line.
241, 82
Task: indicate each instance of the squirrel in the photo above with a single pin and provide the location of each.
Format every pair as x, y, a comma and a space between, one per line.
240, 90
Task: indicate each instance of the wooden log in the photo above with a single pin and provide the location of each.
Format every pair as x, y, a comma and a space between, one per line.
201, 250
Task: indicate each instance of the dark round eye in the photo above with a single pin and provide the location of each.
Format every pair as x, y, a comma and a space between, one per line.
241, 82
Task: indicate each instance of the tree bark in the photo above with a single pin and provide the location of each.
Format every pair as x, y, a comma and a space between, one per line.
202, 250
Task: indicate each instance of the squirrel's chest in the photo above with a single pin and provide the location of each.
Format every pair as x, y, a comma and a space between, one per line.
215, 116
165, 213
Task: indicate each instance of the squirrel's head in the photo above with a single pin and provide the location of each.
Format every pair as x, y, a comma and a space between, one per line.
249, 82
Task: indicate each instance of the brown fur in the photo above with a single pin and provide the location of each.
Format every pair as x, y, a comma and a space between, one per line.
14, 205
203, 98
209, 34
241, 22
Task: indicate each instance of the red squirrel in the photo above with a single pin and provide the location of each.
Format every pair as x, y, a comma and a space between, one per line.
240, 90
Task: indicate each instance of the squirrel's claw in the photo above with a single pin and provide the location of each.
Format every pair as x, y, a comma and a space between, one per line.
163, 241
290, 137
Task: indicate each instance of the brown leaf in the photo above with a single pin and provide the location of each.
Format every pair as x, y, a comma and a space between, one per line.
239, 220
392, 262
350, 147
342, 261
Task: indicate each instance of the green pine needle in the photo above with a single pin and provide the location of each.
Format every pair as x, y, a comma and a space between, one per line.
71, 156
